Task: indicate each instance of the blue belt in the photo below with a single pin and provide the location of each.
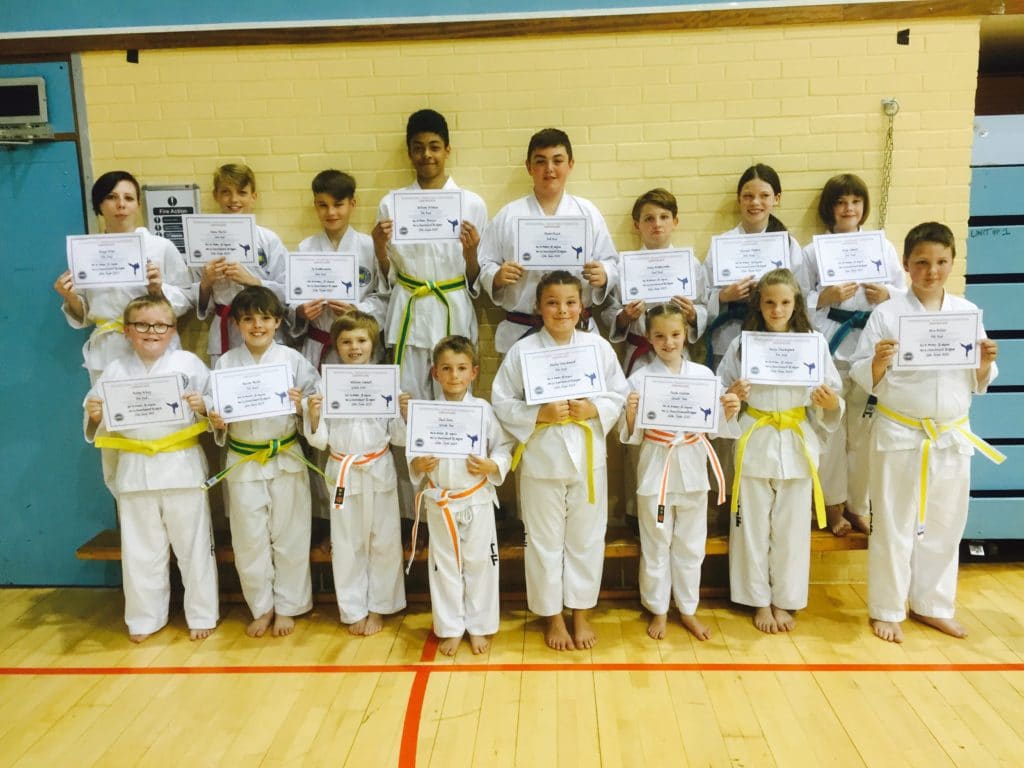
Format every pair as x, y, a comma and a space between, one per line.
848, 321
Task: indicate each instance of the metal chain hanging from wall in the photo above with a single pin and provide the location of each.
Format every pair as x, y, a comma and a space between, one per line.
891, 107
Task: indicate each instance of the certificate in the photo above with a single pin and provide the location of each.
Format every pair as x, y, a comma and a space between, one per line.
144, 402
938, 340
321, 276
356, 391
858, 257
552, 242
789, 359
561, 373
426, 217
446, 430
252, 392
734, 257
230, 236
106, 261
679, 403
657, 275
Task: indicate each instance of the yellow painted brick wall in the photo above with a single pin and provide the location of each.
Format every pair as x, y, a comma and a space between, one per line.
685, 110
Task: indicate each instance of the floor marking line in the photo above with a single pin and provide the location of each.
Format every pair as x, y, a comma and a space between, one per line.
414, 709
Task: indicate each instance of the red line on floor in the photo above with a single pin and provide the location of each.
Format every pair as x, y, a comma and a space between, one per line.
428, 667
414, 709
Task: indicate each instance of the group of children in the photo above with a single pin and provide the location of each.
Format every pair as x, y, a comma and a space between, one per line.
778, 448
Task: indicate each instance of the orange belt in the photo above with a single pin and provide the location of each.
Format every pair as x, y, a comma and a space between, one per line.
671, 439
348, 460
443, 496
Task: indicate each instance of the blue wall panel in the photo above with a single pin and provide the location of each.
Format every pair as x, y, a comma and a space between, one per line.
1008, 476
995, 519
1001, 303
995, 191
995, 250
999, 415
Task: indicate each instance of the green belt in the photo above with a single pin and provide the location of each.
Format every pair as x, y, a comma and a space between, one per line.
419, 289
261, 452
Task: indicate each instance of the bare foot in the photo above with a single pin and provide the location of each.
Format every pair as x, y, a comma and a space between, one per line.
449, 645
583, 635
283, 625
784, 619
764, 620
358, 627
557, 636
838, 524
656, 627
949, 626
891, 631
200, 634
139, 638
258, 626
374, 624
696, 628
479, 644
860, 523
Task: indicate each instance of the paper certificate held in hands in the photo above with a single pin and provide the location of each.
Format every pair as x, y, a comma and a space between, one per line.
106, 261
938, 340
734, 257
446, 430
561, 373
657, 276
230, 236
427, 217
151, 401
857, 257
360, 391
552, 242
311, 276
679, 403
789, 359
252, 392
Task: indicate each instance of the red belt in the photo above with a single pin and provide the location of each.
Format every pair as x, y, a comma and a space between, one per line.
642, 348
322, 336
224, 313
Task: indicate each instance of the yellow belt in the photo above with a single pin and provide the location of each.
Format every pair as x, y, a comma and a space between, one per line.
790, 419
932, 431
590, 450
105, 326
176, 441
419, 289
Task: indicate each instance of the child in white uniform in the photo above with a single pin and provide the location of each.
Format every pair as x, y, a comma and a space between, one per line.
840, 313
234, 189
422, 273
158, 480
366, 535
334, 198
459, 498
549, 162
563, 480
919, 430
267, 484
776, 465
672, 492
115, 197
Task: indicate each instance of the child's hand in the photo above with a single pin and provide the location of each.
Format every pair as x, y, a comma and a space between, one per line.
885, 351
508, 273
212, 272
310, 310
196, 403
988, 349
237, 273
632, 406
481, 467
341, 307
581, 410
314, 404
738, 291
295, 395
740, 388
689, 311
468, 236
836, 294
730, 405
381, 235
552, 413
154, 280
593, 273
65, 286
632, 311
94, 409
403, 404
216, 421
876, 293
825, 397
422, 465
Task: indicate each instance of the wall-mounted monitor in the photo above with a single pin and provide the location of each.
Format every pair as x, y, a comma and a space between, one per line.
22, 100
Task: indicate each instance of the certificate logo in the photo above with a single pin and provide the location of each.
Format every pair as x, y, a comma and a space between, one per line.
526, 257
652, 415
118, 417
726, 272
831, 273
403, 230
419, 442
538, 390
634, 291
908, 357
82, 275
335, 405
229, 409
755, 370
297, 290
197, 254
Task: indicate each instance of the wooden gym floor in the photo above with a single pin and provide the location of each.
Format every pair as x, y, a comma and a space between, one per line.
75, 692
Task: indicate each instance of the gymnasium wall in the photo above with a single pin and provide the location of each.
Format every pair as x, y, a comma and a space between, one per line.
688, 110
